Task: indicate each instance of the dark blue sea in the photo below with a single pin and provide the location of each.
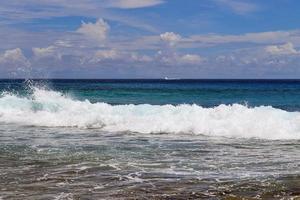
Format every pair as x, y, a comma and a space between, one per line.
149, 139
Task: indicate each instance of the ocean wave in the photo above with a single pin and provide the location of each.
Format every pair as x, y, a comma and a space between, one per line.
54, 109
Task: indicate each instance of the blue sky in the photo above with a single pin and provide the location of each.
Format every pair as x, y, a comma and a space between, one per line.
150, 39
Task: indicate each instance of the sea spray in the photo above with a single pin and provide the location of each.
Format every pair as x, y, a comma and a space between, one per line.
44, 107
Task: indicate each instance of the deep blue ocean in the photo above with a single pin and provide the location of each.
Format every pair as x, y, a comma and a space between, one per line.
149, 139
284, 94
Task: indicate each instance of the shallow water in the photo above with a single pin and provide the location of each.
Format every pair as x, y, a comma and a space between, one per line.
51, 151
62, 163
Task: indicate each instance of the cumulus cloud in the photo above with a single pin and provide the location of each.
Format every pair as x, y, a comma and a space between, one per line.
95, 31
191, 59
140, 58
170, 37
104, 55
175, 59
46, 52
169, 55
17, 11
14, 57
284, 49
114, 56
14, 63
208, 40
130, 4
78, 55
269, 61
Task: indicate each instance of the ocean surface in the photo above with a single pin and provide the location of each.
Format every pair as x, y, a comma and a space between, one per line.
149, 139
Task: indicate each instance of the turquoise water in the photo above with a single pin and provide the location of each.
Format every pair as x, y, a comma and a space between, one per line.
283, 94
149, 139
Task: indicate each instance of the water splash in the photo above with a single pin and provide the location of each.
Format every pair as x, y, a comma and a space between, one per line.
45, 107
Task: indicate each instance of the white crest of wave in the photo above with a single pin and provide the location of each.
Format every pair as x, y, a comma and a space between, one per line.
53, 109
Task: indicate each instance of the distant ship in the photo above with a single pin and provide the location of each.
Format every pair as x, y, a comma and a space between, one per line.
167, 78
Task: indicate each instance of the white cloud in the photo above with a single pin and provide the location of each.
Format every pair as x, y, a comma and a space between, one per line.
190, 59
63, 43
140, 58
116, 56
170, 56
209, 40
129, 4
238, 6
14, 57
13, 63
259, 38
275, 59
174, 58
44, 52
17, 11
95, 31
170, 37
284, 49
102, 55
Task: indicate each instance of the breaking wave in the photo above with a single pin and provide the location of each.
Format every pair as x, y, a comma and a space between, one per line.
54, 109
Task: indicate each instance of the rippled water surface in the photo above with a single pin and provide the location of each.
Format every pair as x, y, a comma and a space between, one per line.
42, 163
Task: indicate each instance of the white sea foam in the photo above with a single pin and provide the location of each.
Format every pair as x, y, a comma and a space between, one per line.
53, 109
